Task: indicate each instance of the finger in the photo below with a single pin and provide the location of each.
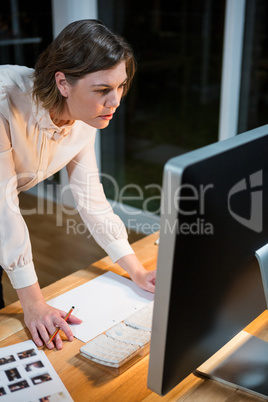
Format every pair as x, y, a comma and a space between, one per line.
152, 277
49, 329
44, 333
66, 329
35, 335
54, 339
74, 320
58, 342
150, 287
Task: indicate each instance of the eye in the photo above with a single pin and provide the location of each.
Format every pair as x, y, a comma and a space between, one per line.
123, 86
102, 91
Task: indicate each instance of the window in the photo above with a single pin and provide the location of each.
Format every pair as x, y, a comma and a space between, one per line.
25, 30
173, 105
254, 75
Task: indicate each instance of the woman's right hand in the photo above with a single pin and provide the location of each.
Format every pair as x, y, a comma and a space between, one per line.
42, 320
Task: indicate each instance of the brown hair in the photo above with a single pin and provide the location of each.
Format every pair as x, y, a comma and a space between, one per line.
82, 47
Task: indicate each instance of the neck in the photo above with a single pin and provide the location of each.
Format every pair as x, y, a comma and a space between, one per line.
60, 121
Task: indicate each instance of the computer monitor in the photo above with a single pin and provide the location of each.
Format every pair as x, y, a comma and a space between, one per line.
214, 217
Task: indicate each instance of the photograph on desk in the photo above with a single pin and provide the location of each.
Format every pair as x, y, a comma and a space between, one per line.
27, 374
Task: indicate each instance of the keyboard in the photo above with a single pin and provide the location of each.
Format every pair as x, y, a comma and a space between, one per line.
124, 341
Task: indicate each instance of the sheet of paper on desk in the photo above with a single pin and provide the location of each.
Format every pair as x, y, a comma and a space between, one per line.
101, 303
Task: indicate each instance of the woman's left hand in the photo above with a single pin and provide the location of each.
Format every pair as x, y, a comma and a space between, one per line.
143, 278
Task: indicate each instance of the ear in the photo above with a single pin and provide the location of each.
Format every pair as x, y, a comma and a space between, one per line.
62, 83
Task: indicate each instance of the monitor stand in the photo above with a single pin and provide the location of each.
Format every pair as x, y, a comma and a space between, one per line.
242, 363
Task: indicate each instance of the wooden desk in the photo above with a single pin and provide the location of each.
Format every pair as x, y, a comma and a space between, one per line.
86, 382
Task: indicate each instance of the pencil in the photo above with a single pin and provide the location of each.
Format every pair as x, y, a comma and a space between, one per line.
57, 330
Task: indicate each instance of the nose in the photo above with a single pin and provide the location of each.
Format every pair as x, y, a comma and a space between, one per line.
113, 99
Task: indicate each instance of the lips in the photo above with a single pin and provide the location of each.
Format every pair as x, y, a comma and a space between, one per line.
107, 116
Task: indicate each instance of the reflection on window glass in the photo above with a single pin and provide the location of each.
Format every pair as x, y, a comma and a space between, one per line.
173, 105
254, 80
25, 30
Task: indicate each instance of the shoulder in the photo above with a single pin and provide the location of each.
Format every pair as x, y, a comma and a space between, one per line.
80, 137
85, 131
15, 89
16, 76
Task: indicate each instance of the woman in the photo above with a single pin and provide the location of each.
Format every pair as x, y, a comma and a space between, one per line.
48, 119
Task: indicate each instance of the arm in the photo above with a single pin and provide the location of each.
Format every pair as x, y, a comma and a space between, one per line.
16, 255
96, 212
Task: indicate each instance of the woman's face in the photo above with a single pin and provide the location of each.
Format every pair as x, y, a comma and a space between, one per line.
94, 98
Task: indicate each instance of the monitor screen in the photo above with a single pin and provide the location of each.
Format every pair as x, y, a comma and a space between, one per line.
214, 217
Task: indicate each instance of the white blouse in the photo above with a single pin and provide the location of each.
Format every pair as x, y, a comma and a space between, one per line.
33, 148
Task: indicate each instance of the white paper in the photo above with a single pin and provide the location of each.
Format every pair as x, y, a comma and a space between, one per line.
101, 303
27, 375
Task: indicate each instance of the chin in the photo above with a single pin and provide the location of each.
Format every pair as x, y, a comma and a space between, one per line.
99, 125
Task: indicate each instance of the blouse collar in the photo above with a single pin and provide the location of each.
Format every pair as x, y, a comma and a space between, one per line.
45, 122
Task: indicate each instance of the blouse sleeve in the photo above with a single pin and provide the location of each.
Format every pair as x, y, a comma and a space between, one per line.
105, 226
15, 247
